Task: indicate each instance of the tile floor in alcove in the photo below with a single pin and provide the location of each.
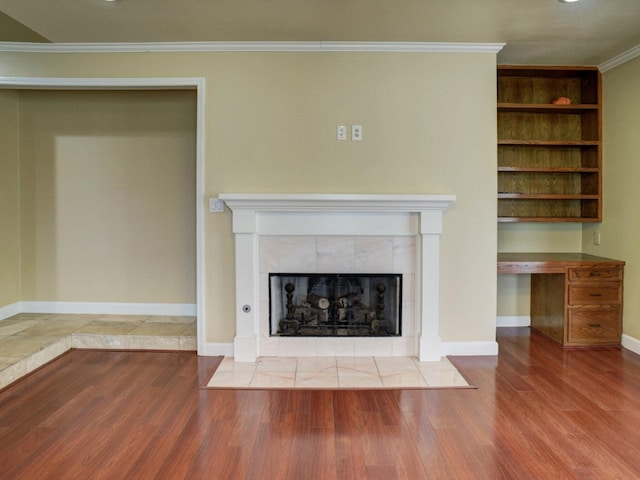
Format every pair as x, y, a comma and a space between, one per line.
29, 340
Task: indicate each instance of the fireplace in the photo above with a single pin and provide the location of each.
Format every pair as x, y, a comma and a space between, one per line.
335, 305
324, 233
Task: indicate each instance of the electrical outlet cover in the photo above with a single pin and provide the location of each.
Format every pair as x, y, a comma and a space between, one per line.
356, 132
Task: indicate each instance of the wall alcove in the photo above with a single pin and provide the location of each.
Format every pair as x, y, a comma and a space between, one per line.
110, 174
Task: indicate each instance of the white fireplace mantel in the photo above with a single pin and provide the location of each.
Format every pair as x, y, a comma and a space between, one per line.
267, 202
256, 215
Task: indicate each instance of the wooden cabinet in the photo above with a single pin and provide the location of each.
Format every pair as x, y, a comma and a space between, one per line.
549, 156
576, 299
594, 305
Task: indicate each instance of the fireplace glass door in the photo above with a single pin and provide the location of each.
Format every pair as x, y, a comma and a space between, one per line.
357, 305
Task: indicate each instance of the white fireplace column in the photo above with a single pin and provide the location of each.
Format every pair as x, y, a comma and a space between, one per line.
419, 216
428, 295
245, 343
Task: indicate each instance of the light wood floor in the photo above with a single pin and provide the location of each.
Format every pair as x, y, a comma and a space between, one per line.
539, 413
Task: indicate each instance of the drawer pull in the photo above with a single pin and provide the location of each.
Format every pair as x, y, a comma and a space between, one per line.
595, 325
595, 294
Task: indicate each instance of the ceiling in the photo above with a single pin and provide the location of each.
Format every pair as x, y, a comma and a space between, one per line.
589, 32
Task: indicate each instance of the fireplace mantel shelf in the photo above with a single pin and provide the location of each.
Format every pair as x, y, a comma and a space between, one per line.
335, 202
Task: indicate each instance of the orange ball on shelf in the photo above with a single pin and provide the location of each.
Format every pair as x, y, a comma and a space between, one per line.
562, 101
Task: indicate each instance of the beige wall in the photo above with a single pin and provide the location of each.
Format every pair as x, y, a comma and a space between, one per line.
270, 120
108, 196
9, 200
620, 229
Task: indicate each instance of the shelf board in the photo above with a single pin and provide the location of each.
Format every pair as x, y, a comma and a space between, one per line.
550, 169
546, 108
547, 219
550, 143
545, 196
547, 71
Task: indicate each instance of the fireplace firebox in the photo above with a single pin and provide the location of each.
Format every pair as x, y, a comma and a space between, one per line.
335, 304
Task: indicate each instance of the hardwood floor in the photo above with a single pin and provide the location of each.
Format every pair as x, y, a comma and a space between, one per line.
539, 412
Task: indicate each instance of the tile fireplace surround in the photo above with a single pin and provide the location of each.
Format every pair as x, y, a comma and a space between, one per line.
321, 233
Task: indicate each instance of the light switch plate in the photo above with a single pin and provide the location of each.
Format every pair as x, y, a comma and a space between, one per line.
216, 205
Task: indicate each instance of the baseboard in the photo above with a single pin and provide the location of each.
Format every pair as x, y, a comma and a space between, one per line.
164, 309
631, 343
513, 321
447, 348
469, 348
216, 349
10, 310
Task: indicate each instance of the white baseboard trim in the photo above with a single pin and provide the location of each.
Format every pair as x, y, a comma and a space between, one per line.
446, 348
10, 310
513, 321
164, 309
631, 343
469, 348
216, 349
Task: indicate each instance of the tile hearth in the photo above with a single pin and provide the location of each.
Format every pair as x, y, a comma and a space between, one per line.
336, 372
29, 340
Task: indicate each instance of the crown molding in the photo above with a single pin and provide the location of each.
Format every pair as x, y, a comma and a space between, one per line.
109, 83
394, 47
618, 60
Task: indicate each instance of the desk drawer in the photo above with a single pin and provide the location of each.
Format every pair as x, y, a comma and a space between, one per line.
594, 326
595, 294
582, 274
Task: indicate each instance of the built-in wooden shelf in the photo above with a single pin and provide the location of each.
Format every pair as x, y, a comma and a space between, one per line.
549, 156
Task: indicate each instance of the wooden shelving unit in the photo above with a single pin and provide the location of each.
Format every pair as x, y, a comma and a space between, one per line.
549, 156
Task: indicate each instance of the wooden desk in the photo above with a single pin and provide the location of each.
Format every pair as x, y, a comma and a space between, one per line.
576, 299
